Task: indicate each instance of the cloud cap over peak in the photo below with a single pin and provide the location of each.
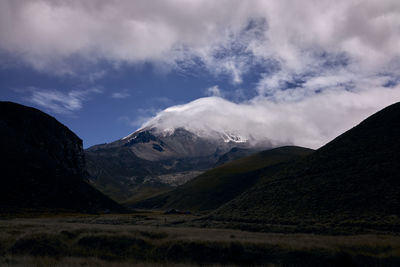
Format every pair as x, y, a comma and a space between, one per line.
310, 122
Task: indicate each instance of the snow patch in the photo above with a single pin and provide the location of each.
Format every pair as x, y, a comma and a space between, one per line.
235, 138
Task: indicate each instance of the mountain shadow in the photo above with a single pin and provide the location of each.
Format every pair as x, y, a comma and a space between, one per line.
43, 166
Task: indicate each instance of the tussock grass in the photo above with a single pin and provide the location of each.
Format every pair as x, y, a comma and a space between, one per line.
60, 242
39, 245
23, 261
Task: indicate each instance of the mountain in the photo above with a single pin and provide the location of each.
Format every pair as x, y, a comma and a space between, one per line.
43, 166
153, 160
355, 176
219, 185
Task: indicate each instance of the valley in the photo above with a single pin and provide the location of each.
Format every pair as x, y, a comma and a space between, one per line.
154, 160
203, 202
199, 133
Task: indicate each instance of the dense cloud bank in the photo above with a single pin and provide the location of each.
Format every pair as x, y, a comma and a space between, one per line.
227, 36
325, 65
311, 122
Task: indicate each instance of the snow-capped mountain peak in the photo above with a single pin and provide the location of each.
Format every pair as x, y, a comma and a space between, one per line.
235, 138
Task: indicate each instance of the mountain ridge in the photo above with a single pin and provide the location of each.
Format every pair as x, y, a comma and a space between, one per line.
152, 157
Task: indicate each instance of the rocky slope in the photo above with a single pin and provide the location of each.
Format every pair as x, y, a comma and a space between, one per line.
152, 160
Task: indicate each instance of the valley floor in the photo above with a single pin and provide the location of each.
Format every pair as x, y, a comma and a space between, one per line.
155, 239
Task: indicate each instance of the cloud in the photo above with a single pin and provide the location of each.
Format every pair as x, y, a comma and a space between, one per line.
96, 75
304, 51
60, 102
120, 95
213, 91
227, 37
143, 115
162, 100
309, 122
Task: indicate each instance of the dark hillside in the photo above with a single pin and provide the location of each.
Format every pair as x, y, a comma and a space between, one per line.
219, 185
357, 175
42, 165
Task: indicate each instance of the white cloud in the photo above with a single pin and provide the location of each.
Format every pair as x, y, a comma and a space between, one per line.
214, 91
227, 36
60, 102
139, 120
310, 122
120, 95
319, 49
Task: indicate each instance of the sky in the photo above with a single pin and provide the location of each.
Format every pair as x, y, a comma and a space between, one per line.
286, 72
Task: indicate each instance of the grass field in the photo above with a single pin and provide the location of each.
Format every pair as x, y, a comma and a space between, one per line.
151, 239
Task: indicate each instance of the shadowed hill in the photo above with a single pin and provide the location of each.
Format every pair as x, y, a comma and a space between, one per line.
219, 185
357, 175
42, 165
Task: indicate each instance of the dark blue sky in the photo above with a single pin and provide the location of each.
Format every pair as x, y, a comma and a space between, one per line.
142, 91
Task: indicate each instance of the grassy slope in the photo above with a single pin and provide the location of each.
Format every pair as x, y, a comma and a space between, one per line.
144, 191
108, 169
219, 185
355, 176
119, 173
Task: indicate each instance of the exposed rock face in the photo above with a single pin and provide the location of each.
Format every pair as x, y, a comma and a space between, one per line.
42, 164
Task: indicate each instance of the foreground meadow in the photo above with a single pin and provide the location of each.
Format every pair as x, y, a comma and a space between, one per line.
161, 240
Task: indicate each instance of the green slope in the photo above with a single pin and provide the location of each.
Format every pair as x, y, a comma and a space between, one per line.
356, 176
219, 185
